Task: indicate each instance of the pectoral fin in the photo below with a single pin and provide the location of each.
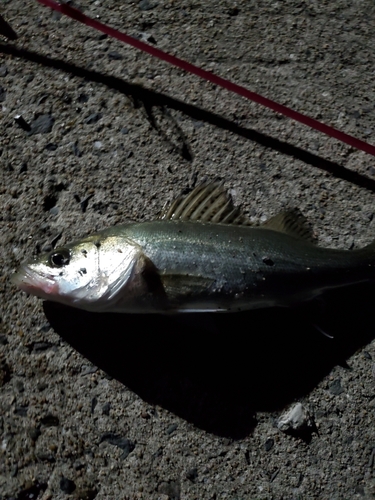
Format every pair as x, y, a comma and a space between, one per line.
179, 287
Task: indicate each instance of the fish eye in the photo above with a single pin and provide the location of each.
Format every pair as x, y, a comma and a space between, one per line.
59, 258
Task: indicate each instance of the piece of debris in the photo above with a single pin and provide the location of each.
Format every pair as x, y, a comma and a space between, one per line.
335, 388
296, 419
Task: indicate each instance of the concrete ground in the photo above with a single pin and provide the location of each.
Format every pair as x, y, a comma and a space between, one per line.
152, 407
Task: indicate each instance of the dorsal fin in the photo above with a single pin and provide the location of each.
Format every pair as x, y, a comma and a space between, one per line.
293, 223
208, 202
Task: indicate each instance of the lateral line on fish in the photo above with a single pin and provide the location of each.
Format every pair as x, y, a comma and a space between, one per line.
79, 16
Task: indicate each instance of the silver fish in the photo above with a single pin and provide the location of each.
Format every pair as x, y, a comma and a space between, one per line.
201, 254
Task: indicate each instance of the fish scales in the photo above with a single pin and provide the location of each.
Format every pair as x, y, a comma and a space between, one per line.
256, 267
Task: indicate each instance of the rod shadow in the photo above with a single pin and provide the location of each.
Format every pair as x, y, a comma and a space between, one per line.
217, 370
151, 99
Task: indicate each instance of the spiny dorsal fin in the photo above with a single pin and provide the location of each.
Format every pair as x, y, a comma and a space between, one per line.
208, 202
293, 223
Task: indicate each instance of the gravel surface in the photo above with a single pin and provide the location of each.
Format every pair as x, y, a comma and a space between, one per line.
94, 133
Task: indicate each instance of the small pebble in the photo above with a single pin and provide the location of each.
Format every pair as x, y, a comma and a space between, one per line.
32, 491
93, 118
335, 388
50, 420
23, 168
67, 485
146, 5
21, 411
82, 98
42, 125
123, 443
76, 151
47, 327
88, 369
192, 474
54, 210
171, 428
171, 489
296, 418
34, 433
106, 408
268, 445
115, 56
94, 402
268, 261
78, 465
19, 386
146, 37
197, 124
41, 346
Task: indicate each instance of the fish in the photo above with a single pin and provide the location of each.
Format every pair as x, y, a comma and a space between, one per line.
200, 254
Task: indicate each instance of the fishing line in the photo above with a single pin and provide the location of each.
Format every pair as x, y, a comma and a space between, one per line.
211, 77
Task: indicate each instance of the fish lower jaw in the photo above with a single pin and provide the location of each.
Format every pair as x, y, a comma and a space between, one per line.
45, 287
48, 292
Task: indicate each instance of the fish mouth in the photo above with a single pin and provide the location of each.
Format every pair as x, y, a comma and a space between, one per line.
32, 282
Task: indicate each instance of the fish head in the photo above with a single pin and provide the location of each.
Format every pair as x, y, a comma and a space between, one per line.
88, 274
